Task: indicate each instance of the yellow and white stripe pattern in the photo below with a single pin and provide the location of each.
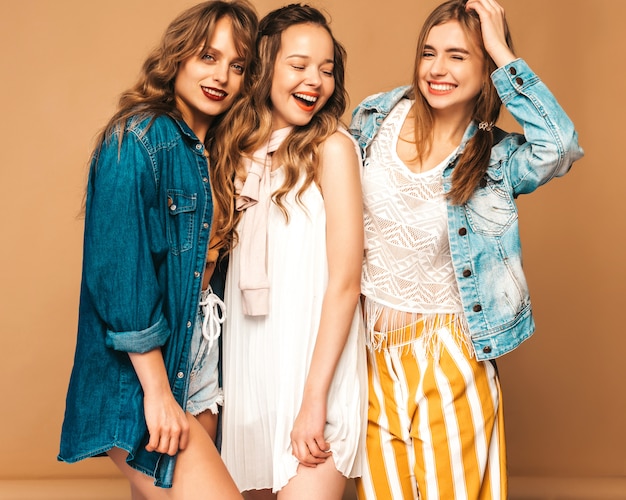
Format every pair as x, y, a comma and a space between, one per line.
435, 423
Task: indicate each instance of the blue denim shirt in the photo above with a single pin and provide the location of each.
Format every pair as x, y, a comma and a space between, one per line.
148, 219
483, 233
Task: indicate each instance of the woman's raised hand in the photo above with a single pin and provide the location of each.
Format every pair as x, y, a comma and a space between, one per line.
492, 23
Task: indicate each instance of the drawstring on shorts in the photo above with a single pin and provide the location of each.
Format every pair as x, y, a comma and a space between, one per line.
213, 312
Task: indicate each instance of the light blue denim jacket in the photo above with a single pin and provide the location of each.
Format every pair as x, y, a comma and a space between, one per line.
147, 224
483, 233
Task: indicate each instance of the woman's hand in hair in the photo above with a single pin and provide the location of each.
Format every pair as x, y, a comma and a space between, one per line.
492, 23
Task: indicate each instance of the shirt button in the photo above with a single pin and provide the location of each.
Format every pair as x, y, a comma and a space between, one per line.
180, 375
477, 308
196, 274
205, 179
487, 349
198, 147
467, 273
205, 225
462, 231
188, 324
173, 207
519, 81
513, 71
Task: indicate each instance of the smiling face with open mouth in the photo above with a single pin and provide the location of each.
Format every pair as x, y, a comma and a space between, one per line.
451, 71
208, 82
303, 75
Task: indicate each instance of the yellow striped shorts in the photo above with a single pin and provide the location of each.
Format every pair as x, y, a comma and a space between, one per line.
435, 421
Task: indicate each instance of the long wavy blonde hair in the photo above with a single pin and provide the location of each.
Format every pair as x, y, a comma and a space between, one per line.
153, 93
474, 160
248, 125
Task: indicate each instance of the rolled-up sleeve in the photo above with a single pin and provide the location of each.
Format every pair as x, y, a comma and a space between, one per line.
139, 341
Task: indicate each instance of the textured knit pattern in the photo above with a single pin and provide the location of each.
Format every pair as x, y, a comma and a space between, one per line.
408, 265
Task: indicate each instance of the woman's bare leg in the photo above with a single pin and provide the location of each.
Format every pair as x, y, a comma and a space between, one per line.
199, 473
135, 494
208, 420
312, 483
141, 486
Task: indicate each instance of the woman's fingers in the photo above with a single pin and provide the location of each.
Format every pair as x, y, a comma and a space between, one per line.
309, 453
493, 27
319, 448
153, 442
168, 428
301, 452
164, 445
183, 440
162, 442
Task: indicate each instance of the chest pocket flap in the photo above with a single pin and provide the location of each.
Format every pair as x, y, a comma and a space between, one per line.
181, 209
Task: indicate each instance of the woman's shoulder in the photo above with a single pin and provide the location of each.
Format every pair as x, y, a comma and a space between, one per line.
146, 124
340, 137
384, 101
141, 135
157, 132
340, 142
340, 154
367, 116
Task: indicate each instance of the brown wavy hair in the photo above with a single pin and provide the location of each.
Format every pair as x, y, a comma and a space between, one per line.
153, 93
248, 124
474, 160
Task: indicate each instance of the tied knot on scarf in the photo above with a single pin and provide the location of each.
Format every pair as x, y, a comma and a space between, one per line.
254, 196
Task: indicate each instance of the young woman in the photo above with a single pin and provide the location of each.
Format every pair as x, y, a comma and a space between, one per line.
144, 387
294, 353
444, 292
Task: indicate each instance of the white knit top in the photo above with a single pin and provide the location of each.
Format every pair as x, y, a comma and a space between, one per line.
407, 267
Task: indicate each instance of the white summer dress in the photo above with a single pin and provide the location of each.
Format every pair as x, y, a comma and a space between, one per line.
266, 358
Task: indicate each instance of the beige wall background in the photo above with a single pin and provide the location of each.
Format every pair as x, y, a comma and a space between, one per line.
64, 63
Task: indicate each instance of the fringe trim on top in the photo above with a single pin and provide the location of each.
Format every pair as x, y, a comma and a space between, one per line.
400, 330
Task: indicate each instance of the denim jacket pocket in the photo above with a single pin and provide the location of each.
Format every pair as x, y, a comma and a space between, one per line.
180, 220
491, 210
